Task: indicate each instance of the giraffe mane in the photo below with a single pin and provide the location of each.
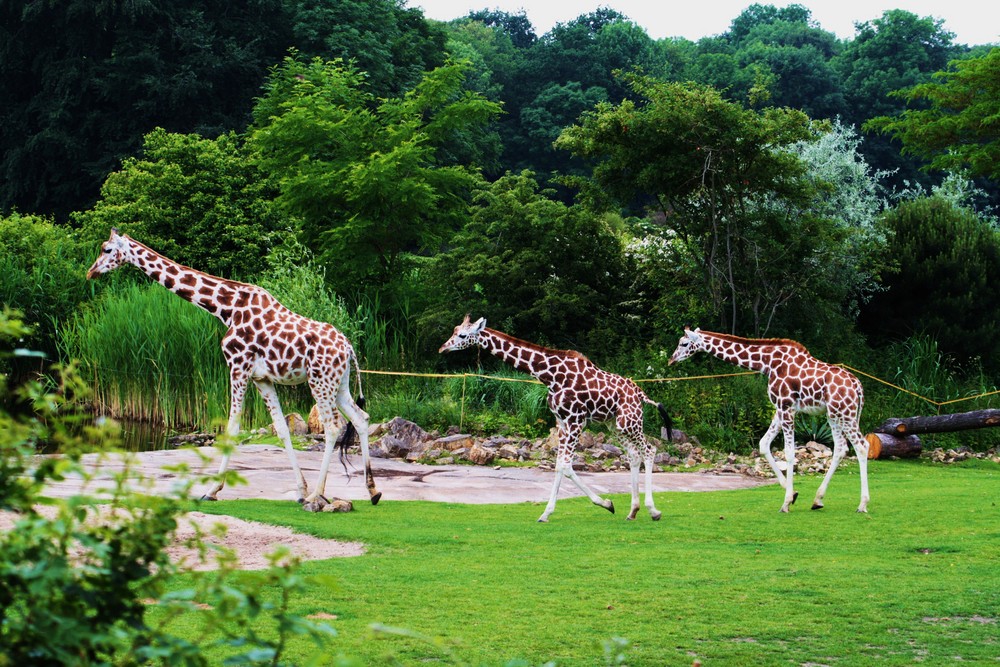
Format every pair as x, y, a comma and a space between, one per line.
202, 273
535, 346
757, 341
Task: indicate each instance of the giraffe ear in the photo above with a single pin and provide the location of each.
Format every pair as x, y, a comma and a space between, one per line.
480, 324
466, 320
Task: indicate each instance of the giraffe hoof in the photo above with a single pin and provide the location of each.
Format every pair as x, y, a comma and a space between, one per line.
208, 497
630, 517
301, 501
610, 506
795, 496
377, 497
543, 519
656, 516
817, 506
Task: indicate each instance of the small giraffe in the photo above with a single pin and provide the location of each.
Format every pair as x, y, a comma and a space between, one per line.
266, 344
579, 392
796, 382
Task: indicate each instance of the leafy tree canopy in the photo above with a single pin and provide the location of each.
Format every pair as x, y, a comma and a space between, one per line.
961, 127
533, 266
365, 177
201, 202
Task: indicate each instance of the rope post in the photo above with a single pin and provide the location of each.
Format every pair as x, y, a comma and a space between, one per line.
461, 418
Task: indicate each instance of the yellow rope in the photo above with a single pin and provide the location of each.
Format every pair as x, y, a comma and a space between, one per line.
464, 376
889, 384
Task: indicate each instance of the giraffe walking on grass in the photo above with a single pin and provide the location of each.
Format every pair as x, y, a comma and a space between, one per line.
579, 392
796, 382
266, 344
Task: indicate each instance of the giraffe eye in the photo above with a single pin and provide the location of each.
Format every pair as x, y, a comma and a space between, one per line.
107, 250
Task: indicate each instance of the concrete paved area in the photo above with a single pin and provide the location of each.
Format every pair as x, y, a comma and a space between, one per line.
268, 475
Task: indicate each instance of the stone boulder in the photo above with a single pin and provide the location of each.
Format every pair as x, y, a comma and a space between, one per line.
316, 426
481, 455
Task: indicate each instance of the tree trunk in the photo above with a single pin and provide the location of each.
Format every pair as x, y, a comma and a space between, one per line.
884, 445
959, 421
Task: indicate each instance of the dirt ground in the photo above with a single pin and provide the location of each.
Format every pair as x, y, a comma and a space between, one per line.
268, 475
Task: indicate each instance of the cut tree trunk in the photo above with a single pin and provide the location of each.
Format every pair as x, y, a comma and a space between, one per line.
958, 421
885, 445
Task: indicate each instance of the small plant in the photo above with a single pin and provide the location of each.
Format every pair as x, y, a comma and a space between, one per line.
814, 428
79, 575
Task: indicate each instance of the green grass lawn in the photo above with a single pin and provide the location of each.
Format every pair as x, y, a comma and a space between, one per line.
723, 578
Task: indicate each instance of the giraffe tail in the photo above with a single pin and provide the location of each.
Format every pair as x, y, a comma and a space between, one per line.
668, 423
347, 437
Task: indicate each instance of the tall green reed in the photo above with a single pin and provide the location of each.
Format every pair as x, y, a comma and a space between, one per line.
150, 356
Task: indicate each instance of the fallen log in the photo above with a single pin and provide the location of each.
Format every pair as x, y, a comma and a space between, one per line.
959, 421
885, 445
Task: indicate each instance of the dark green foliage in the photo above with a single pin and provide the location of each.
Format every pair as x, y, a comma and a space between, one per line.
897, 50
83, 82
42, 274
945, 286
201, 202
733, 200
365, 176
959, 129
534, 268
389, 41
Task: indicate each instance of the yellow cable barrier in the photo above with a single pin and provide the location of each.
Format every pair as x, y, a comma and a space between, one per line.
674, 379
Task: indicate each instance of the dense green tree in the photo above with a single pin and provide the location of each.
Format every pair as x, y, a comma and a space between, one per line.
534, 267
945, 283
365, 177
201, 202
960, 129
393, 44
42, 274
734, 201
896, 51
516, 27
82, 82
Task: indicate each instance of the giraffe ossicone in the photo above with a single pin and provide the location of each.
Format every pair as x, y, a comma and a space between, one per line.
796, 382
266, 344
579, 392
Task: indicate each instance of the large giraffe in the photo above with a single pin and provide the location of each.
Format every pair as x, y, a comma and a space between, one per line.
579, 392
796, 382
266, 344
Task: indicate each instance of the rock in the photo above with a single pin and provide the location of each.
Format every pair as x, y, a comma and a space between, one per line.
508, 451
296, 425
316, 426
339, 505
453, 442
405, 430
611, 450
481, 455
394, 448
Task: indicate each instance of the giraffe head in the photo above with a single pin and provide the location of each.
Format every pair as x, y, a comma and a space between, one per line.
113, 254
690, 342
466, 335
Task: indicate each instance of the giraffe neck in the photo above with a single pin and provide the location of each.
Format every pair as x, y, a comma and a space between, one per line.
215, 295
522, 355
752, 354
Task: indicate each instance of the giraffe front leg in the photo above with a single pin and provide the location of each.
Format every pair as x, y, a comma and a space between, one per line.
569, 433
654, 513
765, 448
633, 468
788, 427
237, 391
